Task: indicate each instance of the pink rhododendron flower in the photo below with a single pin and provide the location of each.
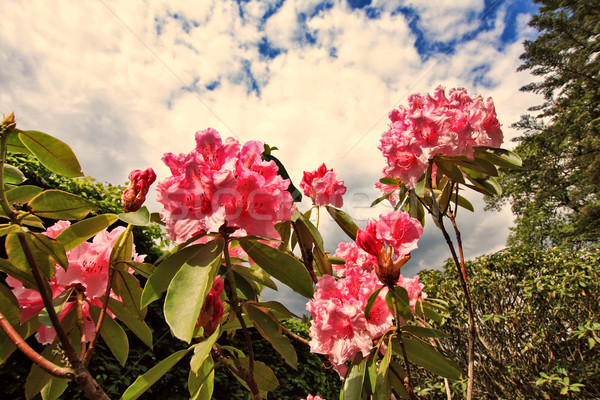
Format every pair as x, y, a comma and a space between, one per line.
222, 182
311, 397
212, 309
88, 268
339, 328
323, 187
354, 256
414, 289
135, 195
437, 125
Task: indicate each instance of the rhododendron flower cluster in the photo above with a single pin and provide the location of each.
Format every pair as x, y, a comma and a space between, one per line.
311, 397
323, 187
212, 309
354, 256
135, 195
437, 125
88, 268
222, 182
339, 327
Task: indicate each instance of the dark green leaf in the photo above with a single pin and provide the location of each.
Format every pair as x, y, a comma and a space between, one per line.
201, 386
113, 335
268, 327
450, 170
9, 306
5, 229
131, 321
501, 157
371, 302
51, 247
386, 180
189, 288
54, 388
296, 194
281, 266
126, 286
424, 332
344, 221
81, 231
23, 275
52, 153
57, 204
14, 143
382, 198
428, 357
58, 303
144, 382
144, 269
353, 386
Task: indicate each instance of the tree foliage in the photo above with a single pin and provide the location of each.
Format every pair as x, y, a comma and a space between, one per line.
537, 313
555, 196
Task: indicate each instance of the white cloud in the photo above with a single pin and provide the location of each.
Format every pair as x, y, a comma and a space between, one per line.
99, 77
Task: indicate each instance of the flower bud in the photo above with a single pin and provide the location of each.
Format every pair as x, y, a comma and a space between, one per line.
9, 122
135, 195
212, 309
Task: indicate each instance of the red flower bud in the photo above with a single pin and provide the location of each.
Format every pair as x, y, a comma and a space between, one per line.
212, 309
134, 196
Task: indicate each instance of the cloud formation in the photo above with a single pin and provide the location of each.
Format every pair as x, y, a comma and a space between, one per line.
124, 82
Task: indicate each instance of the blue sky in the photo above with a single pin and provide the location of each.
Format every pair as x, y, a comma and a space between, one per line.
125, 82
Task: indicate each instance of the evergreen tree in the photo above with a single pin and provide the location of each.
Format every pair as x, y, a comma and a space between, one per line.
555, 196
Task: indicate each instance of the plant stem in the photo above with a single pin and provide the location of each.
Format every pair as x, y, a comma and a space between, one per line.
460, 266
35, 357
109, 282
234, 302
81, 323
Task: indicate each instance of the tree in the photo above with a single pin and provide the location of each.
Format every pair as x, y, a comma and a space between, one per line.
555, 196
538, 334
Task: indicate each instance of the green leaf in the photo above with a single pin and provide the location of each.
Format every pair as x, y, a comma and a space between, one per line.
381, 198
52, 153
383, 388
166, 270
500, 157
268, 327
122, 249
308, 236
144, 269
424, 332
54, 388
22, 194
202, 351
140, 217
479, 165
353, 386
131, 321
17, 257
126, 286
51, 247
310, 232
113, 335
145, 381
14, 143
265, 378
450, 170
58, 303
257, 276
24, 276
278, 308
13, 175
9, 306
487, 185
296, 194
395, 377
282, 266
201, 386
189, 287
428, 357
57, 204
386, 180
344, 221
5, 229
81, 231
371, 302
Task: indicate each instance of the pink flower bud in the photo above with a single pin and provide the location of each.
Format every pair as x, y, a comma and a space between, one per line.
367, 241
134, 196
